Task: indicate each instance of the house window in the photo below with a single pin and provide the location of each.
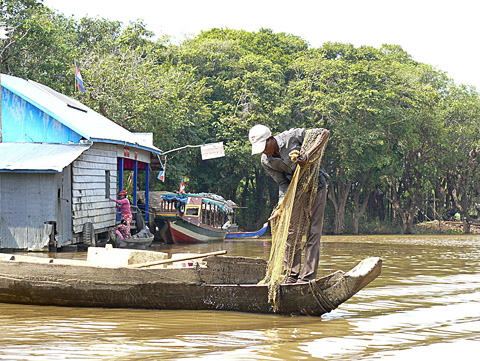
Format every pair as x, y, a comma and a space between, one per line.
107, 184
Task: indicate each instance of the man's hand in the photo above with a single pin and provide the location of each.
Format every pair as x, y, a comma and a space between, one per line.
294, 154
275, 215
302, 160
299, 158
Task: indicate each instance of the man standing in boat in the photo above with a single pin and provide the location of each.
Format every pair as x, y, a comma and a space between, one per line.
281, 154
124, 204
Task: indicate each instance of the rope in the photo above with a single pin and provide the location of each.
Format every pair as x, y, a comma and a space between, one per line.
322, 300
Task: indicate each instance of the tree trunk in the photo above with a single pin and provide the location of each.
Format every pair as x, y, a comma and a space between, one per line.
408, 229
272, 192
339, 221
243, 197
359, 209
260, 185
462, 203
103, 110
406, 208
339, 201
398, 209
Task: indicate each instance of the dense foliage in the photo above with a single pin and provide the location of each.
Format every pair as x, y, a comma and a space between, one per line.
405, 137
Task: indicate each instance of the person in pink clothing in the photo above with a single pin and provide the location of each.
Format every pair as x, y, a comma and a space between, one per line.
124, 204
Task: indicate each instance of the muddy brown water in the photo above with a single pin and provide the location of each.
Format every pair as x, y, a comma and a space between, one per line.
424, 306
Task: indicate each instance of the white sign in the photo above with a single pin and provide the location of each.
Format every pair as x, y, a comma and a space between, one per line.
4, 32
212, 150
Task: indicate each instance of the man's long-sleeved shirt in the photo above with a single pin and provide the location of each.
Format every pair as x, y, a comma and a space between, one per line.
282, 169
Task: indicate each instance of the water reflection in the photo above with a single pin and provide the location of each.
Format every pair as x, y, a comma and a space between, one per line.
426, 302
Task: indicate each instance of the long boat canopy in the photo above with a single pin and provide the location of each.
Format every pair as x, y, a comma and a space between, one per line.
183, 198
208, 198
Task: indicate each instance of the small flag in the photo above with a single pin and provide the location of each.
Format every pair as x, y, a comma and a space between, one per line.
78, 78
182, 186
161, 175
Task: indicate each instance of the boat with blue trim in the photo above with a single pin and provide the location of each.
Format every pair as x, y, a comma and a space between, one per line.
254, 234
191, 217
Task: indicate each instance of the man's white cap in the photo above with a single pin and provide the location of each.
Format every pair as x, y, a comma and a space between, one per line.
258, 136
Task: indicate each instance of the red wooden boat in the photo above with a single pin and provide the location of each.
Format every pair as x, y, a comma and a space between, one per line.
191, 217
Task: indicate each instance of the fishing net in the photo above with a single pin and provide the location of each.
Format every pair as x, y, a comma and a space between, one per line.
290, 227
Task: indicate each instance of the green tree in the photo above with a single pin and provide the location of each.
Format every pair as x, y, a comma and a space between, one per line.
413, 135
460, 151
399, 128
247, 76
40, 46
128, 80
343, 88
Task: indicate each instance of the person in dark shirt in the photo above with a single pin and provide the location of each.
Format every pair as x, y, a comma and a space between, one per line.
277, 162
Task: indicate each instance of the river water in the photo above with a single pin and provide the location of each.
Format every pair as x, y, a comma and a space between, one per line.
424, 305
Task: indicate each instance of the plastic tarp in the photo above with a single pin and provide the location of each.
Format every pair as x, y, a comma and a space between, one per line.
217, 200
183, 198
208, 198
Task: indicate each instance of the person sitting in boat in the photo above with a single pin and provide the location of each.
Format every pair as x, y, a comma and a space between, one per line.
124, 204
227, 225
279, 162
122, 230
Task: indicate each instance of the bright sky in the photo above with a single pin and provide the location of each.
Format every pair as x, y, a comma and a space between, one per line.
442, 33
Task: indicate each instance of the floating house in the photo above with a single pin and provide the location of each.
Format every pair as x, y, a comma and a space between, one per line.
60, 162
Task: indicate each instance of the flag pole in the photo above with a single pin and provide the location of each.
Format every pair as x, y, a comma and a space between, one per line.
74, 76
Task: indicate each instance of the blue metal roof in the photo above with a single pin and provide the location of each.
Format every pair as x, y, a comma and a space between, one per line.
38, 157
73, 114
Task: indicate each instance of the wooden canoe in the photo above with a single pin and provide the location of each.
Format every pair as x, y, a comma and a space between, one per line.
184, 231
134, 243
258, 233
219, 283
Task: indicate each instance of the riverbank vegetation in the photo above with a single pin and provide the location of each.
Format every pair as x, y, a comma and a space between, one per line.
404, 143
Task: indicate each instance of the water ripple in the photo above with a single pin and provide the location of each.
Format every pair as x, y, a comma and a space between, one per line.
425, 305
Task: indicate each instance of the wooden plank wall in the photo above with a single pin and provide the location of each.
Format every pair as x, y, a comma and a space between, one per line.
89, 199
27, 201
64, 207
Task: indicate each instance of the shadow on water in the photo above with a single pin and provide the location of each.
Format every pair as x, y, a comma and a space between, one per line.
426, 303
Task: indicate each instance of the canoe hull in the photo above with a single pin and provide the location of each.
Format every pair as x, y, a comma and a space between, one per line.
185, 232
174, 289
258, 233
134, 243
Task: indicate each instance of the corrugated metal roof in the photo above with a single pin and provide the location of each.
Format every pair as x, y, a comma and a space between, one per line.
73, 114
38, 157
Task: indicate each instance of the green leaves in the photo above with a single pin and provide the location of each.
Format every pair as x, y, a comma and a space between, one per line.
398, 127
